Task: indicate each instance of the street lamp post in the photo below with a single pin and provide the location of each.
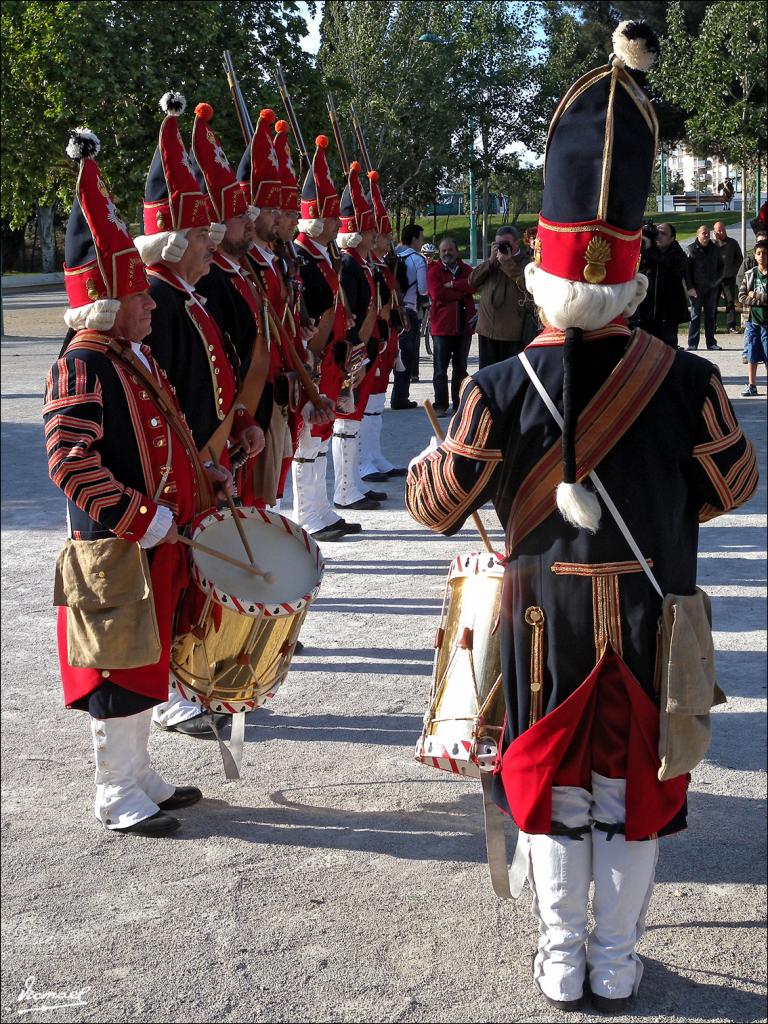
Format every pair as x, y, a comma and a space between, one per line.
431, 37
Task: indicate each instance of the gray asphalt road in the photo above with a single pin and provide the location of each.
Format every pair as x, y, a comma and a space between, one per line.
339, 881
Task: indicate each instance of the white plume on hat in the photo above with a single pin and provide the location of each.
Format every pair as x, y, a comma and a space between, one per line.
173, 103
82, 143
635, 44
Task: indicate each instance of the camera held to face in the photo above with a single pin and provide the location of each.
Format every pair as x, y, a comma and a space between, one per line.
505, 247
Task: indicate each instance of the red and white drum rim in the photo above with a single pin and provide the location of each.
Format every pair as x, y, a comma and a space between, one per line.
207, 519
478, 563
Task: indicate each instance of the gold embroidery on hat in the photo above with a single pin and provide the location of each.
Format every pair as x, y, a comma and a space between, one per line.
160, 222
537, 251
597, 255
90, 287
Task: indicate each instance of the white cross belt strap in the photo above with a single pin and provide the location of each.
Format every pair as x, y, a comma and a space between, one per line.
555, 413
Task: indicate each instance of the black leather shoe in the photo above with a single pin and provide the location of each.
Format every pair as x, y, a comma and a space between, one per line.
158, 825
603, 1004
362, 503
329, 534
376, 495
199, 726
566, 1005
400, 471
440, 410
376, 478
404, 405
349, 527
182, 797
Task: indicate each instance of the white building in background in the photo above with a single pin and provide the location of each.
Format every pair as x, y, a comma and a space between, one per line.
706, 172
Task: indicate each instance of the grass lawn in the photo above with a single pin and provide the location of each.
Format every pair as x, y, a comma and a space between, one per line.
458, 227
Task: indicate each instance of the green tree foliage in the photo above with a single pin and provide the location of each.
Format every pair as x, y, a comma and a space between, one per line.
370, 57
724, 83
105, 65
578, 38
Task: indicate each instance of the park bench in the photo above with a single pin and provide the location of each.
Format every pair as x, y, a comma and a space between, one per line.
696, 202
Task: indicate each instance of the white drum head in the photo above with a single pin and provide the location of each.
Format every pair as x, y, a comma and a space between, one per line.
279, 547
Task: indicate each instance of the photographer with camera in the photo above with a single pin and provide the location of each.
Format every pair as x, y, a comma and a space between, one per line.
504, 300
670, 284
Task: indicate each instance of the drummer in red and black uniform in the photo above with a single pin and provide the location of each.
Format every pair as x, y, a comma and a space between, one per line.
260, 170
324, 302
357, 235
375, 467
231, 298
298, 325
119, 448
202, 365
177, 248
580, 653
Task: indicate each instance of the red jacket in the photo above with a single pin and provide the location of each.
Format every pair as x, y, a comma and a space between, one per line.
451, 297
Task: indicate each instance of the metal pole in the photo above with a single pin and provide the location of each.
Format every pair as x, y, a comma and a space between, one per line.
662, 178
758, 188
472, 220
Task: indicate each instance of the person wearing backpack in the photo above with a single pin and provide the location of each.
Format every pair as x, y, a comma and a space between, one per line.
411, 275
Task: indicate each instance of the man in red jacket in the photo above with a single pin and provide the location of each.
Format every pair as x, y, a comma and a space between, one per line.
451, 315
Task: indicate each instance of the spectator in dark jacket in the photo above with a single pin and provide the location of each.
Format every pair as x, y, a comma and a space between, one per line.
705, 263
670, 285
749, 261
732, 255
503, 298
451, 320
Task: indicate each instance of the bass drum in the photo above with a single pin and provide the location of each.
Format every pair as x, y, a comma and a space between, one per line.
236, 633
465, 719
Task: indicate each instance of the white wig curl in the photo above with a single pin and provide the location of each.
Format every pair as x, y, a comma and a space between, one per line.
578, 304
314, 228
350, 240
94, 316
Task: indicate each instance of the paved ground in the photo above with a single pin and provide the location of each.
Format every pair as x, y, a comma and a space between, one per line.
339, 881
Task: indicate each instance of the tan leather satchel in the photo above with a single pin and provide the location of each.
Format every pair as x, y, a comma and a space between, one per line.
106, 587
688, 685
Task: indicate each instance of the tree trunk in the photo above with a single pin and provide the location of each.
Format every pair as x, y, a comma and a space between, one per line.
485, 218
743, 208
398, 220
45, 228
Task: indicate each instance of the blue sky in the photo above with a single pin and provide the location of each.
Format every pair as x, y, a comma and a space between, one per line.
311, 42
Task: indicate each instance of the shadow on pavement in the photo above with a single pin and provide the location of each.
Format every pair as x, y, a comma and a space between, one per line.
379, 605
30, 500
741, 673
665, 991
725, 844
390, 730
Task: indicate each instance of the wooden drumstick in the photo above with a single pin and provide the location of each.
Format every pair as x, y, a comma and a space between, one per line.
268, 576
435, 423
220, 554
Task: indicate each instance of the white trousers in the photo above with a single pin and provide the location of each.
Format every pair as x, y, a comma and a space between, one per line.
372, 459
311, 507
128, 789
176, 709
349, 486
560, 871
